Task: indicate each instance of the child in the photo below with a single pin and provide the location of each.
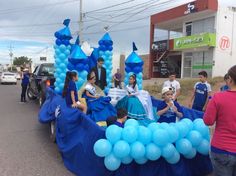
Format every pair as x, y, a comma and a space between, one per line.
168, 109
119, 120
225, 87
70, 91
24, 84
201, 93
90, 88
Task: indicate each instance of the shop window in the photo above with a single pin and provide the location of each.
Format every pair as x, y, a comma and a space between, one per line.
188, 29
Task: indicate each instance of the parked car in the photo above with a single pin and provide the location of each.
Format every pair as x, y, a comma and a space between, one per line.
42, 77
8, 78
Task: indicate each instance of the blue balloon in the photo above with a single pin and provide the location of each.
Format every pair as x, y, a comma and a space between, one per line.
101, 53
129, 134
160, 137
137, 150
168, 150
57, 52
153, 152
62, 76
61, 86
62, 57
191, 154
79, 67
70, 66
62, 66
127, 160
111, 162
58, 42
121, 149
174, 159
83, 74
69, 47
164, 125
141, 160
102, 148
113, 133
194, 137
188, 122
131, 122
59, 71
144, 135
204, 147
67, 52
183, 129
62, 48
183, 146
154, 126
57, 90
199, 126
173, 134
127, 69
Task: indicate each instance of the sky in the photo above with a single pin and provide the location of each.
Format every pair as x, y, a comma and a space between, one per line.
29, 25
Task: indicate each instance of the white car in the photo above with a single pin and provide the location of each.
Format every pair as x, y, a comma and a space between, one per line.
8, 77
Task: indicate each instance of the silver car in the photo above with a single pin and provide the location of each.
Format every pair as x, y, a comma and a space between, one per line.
8, 78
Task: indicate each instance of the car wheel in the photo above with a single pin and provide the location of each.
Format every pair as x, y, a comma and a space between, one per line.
41, 99
53, 131
30, 95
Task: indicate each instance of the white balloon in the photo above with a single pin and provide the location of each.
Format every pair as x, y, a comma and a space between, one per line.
87, 48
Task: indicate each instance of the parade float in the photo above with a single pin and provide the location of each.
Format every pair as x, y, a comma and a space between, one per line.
87, 149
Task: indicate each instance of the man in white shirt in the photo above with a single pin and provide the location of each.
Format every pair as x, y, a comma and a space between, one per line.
175, 85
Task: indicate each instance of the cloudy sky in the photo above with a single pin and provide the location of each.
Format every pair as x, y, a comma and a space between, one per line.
28, 25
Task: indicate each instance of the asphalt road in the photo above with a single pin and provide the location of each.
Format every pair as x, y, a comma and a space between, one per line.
25, 147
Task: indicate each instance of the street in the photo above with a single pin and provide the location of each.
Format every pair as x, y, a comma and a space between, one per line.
25, 146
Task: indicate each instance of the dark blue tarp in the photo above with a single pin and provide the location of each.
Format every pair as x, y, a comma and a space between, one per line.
76, 135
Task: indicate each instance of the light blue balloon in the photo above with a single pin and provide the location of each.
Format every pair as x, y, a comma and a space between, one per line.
110, 57
137, 150
57, 89
173, 134
83, 74
68, 47
141, 160
127, 160
113, 133
188, 122
121, 149
154, 126
102, 148
183, 146
191, 154
164, 125
160, 137
130, 134
59, 80
62, 66
194, 137
62, 48
111, 162
153, 152
55, 46
174, 159
168, 150
62, 76
101, 53
204, 147
62, 57
57, 52
61, 86
183, 129
131, 122
67, 52
199, 126
144, 135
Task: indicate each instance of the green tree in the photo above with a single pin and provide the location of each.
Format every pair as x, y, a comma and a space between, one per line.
19, 61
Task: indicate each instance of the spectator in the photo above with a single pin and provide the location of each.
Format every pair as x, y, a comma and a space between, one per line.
175, 85
121, 117
225, 87
220, 111
24, 84
117, 79
168, 109
111, 120
201, 93
100, 74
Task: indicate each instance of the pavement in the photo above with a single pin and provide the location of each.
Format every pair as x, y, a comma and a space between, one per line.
25, 146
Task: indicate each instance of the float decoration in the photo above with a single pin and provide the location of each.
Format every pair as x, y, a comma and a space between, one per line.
140, 143
62, 51
105, 51
78, 61
134, 65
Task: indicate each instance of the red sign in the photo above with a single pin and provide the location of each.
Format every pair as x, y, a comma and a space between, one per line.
224, 43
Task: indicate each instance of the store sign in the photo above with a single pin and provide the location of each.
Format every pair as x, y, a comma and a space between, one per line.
195, 41
191, 8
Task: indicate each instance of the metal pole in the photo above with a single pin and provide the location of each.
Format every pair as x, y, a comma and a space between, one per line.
81, 20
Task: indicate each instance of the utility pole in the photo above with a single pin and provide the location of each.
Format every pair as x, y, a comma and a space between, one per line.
81, 20
11, 55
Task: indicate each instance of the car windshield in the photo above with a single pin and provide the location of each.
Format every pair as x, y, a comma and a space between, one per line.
9, 74
47, 70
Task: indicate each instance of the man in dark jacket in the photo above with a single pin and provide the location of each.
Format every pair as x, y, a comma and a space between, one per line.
100, 73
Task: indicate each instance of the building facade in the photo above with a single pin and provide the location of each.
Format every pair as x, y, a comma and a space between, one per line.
199, 36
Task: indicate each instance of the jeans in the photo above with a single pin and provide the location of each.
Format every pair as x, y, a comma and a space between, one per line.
223, 164
23, 92
118, 84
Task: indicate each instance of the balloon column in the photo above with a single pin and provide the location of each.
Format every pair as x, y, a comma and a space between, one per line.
78, 61
105, 51
62, 51
140, 143
133, 65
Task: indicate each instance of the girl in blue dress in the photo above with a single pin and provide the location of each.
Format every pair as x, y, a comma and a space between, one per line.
70, 92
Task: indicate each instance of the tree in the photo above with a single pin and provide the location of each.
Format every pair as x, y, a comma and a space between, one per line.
22, 60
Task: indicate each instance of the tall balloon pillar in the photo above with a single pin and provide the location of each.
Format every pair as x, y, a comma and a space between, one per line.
78, 61
105, 51
62, 51
134, 65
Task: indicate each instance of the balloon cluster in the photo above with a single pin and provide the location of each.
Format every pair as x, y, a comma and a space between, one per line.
78, 61
105, 51
134, 65
62, 51
140, 143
